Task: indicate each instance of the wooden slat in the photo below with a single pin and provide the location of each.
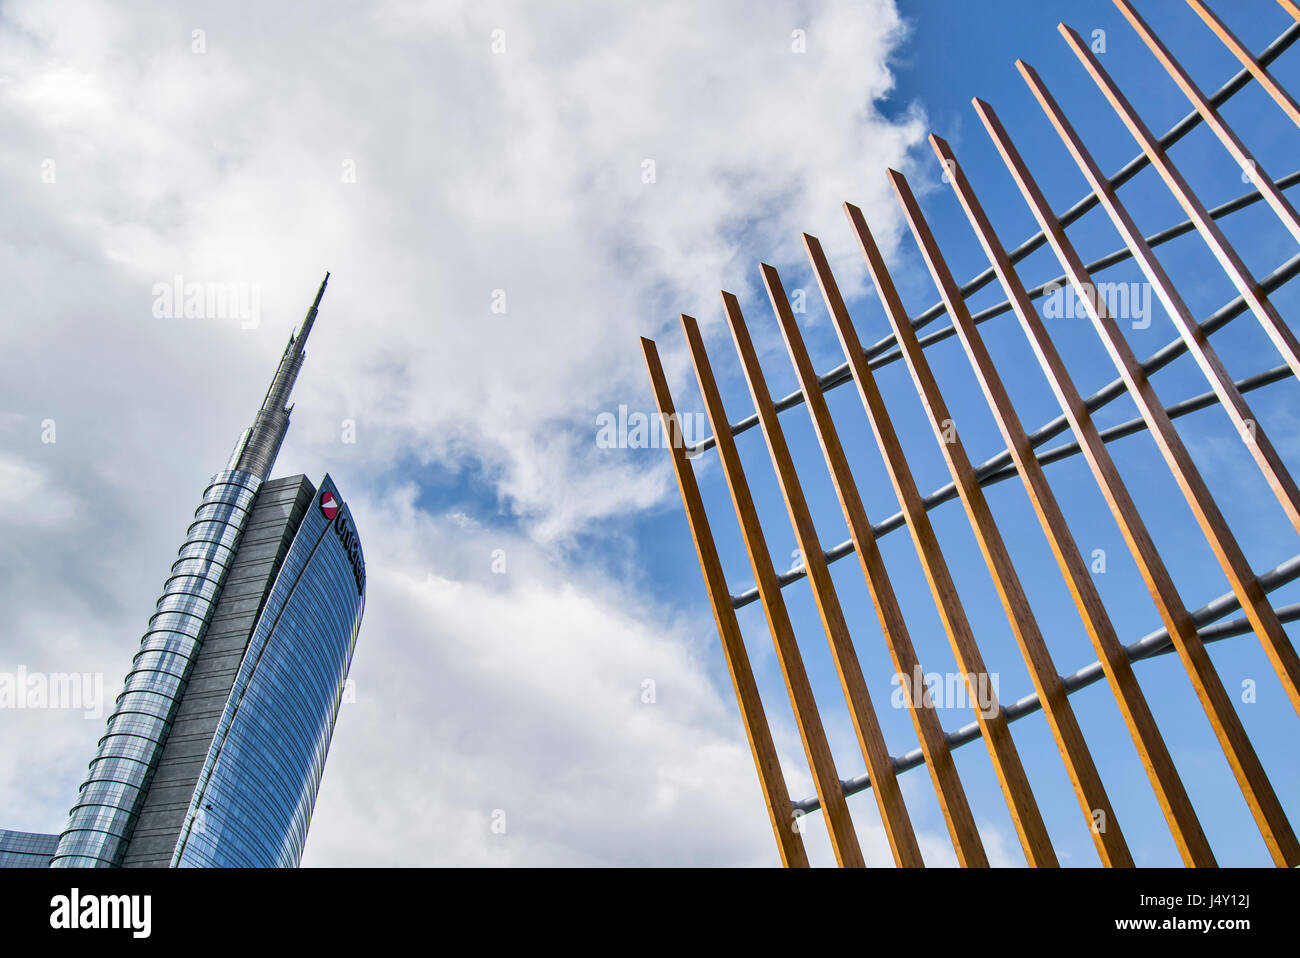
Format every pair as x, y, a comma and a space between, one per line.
1156, 760
1084, 777
1290, 7
1254, 601
934, 745
1256, 788
1198, 344
776, 796
880, 765
1276, 328
997, 736
830, 791
1242, 53
1245, 159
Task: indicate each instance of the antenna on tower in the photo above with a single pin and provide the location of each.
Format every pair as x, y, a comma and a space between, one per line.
259, 445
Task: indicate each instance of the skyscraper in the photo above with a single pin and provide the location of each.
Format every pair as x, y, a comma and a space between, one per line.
216, 745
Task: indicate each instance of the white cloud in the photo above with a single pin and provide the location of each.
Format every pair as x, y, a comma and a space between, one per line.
524, 693
30, 497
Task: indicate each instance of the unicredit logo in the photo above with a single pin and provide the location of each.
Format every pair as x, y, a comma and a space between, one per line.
348, 537
332, 509
329, 504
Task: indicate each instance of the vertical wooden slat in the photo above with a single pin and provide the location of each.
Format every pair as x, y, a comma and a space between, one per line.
830, 791
1276, 328
1198, 344
880, 766
775, 793
1259, 794
1088, 788
1240, 51
1249, 165
993, 723
1254, 601
1156, 760
934, 746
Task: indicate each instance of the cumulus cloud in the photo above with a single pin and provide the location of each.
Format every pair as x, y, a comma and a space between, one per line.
524, 719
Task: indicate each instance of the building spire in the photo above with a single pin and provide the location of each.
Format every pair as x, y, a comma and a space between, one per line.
305, 330
260, 444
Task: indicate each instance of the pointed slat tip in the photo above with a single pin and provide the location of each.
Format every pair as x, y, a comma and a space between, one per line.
903, 189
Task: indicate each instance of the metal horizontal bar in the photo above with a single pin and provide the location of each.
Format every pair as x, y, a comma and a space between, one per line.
1097, 265
1151, 645
1000, 468
840, 374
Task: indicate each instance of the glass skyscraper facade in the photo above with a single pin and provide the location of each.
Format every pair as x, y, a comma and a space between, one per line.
26, 849
215, 747
103, 819
276, 725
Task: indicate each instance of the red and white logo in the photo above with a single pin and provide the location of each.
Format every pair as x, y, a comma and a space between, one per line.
329, 505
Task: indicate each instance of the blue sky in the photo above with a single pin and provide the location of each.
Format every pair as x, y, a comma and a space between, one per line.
481, 167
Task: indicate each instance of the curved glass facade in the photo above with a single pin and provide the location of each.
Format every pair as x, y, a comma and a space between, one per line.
260, 777
108, 802
26, 849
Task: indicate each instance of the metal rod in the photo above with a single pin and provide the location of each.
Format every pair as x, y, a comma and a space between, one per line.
1149, 646
1025, 814
943, 771
997, 469
839, 823
1240, 51
1249, 165
885, 351
1088, 788
1250, 774
776, 795
840, 374
1243, 419
1156, 760
1232, 559
889, 798
1277, 329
